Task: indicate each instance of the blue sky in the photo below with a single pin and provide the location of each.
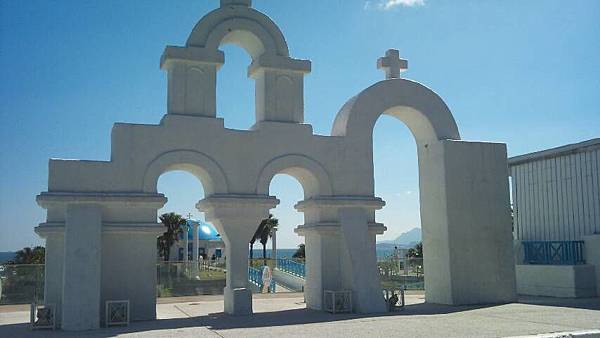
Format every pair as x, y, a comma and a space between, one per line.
522, 72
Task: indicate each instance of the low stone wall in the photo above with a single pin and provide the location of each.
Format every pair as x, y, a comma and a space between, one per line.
288, 281
592, 256
568, 281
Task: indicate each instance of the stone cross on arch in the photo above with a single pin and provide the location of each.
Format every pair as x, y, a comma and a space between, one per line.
392, 64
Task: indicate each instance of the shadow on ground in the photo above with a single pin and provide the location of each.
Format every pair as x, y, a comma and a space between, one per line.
576, 303
221, 321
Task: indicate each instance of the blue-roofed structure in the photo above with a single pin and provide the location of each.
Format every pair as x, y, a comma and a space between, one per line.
210, 244
206, 231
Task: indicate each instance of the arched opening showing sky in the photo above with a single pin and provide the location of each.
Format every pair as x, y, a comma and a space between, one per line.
183, 190
289, 192
235, 90
396, 176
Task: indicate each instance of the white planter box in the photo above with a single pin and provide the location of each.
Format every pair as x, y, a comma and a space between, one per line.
337, 301
42, 317
117, 312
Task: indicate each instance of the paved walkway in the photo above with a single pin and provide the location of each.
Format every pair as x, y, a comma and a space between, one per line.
286, 316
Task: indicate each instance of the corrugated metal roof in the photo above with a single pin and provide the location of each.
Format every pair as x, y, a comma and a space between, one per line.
555, 152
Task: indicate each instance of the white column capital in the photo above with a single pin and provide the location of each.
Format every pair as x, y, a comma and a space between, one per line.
105, 199
338, 202
234, 209
324, 228
283, 64
191, 55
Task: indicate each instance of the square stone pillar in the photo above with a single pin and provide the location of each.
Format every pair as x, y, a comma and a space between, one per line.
338, 258
82, 262
192, 80
129, 258
100, 246
237, 217
465, 217
322, 261
279, 88
53, 267
360, 247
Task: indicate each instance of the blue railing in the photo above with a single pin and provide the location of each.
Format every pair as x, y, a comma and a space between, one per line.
291, 267
553, 252
255, 276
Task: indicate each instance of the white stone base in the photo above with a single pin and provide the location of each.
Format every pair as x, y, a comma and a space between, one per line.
592, 256
238, 301
565, 281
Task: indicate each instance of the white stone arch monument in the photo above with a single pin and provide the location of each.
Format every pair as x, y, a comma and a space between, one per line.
101, 225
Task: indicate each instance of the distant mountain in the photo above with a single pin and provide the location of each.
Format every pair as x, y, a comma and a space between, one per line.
406, 239
6, 256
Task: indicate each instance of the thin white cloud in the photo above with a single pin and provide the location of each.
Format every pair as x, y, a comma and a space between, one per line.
385, 5
400, 194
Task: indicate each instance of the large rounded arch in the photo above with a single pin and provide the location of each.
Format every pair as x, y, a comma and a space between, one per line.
421, 109
206, 169
312, 176
242, 26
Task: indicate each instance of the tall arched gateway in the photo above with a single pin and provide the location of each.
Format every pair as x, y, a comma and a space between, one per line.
101, 223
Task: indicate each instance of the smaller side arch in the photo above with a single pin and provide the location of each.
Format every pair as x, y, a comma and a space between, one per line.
207, 170
312, 176
421, 109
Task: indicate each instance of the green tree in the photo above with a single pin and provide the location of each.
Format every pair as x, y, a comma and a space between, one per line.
256, 236
301, 252
173, 223
415, 256
268, 226
28, 255
416, 252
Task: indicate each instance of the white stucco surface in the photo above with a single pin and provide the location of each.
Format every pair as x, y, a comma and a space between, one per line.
592, 256
569, 281
464, 185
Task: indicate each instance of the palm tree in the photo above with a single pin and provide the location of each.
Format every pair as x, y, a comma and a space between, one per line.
267, 226
256, 236
415, 256
301, 252
416, 252
173, 223
31, 256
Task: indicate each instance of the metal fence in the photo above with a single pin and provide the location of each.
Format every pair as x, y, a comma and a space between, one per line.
255, 276
553, 252
401, 273
21, 283
176, 279
290, 266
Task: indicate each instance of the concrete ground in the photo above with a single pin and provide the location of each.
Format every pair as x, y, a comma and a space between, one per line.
285, 315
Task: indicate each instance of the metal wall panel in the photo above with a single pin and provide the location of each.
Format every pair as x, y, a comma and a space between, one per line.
557, 198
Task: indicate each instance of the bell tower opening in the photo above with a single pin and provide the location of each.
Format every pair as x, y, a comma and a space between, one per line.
235, 90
